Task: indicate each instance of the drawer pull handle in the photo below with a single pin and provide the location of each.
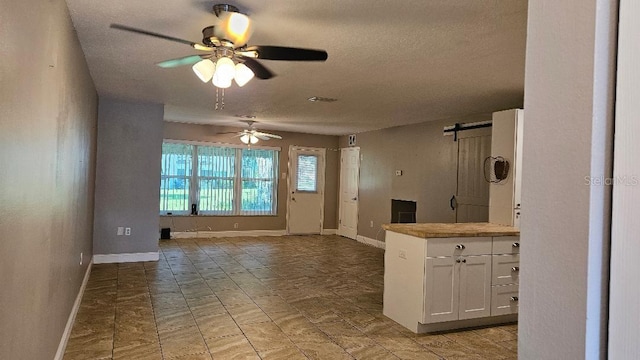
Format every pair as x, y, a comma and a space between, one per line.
458, 261
516, 244
460, 247
515, 268
514, 298
464, 261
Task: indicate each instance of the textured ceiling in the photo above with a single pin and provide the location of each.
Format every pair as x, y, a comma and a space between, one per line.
390, 62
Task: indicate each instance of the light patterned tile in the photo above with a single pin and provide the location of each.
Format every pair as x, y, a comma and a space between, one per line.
232, 348
288, 353
182, 341
316, 297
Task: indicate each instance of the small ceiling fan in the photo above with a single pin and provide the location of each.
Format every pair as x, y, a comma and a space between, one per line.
226, 54
251, 135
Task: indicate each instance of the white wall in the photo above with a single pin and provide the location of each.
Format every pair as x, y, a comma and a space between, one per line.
567, 137
624, 329
127, 176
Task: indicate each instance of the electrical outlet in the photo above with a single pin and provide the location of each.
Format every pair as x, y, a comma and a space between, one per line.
80, 258
371, 224
127, 231
402, 254
235, 225
120, 230
398, 172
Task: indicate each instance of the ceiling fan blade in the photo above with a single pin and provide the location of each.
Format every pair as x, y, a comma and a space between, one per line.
228, 133
258, 69
186, 60
258, 134
288, 53
262, 137
194, 45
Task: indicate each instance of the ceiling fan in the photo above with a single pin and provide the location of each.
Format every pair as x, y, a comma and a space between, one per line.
226, 54
251, 135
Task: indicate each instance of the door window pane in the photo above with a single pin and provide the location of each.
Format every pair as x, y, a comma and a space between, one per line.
307, 176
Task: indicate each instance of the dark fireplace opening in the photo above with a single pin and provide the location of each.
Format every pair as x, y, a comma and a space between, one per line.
403, 211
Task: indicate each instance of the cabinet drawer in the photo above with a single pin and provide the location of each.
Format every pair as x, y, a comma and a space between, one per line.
458, 246
506, 245
505, 269
504, 300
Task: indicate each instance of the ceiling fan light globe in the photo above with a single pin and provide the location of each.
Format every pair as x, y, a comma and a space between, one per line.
225, 69
253, 139
221, 83
245, 138
204, 70
243, 74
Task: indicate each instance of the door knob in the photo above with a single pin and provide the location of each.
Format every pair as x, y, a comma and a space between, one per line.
464, 261
460, 247
516, 244
458, 261
354, 199
514, 298
515, 268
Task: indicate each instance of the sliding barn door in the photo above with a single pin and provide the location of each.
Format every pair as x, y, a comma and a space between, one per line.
471, 201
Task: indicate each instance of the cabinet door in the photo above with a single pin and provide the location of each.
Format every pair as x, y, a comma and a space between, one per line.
441, 290
475, 287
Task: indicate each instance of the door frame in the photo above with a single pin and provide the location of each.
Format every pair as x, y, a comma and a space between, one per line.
321, 175
340, 192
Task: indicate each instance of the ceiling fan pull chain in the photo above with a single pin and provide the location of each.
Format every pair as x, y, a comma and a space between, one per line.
222, 98
217, 89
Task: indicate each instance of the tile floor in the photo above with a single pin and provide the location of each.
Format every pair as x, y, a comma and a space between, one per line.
292, 297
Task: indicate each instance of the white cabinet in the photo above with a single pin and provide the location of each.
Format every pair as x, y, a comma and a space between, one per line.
436, 284
457, 279
475, 287
442, 289
506, 275
506, 143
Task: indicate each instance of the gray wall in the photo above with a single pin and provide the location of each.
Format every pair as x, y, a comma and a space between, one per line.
181, 131
428, 163
127, 176
567, 137
48, 112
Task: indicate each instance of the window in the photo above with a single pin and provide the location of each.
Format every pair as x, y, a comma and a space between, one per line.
223, 180
175, 183
307, 176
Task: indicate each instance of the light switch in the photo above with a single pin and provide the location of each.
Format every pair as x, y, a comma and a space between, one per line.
120, 231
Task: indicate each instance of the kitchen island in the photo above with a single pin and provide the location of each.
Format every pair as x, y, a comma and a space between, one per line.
444, 276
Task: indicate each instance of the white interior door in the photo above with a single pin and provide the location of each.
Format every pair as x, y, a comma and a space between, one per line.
472, 196
349, 179
305, 203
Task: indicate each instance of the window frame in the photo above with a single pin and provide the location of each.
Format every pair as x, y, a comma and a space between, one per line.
194, 180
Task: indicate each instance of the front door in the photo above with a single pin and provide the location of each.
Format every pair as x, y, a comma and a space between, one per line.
349, 178
305, 203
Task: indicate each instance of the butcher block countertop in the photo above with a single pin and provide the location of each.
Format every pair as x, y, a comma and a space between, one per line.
442, 230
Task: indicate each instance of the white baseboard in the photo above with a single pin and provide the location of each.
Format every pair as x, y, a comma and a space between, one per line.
72, 316
370, 241
125, 258
213, 234
329, 231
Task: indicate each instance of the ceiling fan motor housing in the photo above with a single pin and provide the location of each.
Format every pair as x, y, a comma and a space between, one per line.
219, 8
208, 37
